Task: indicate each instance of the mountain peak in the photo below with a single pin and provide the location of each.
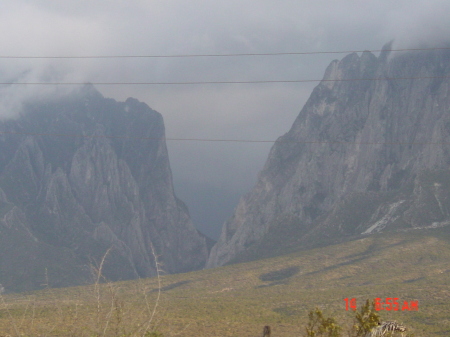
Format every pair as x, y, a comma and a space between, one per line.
85, 175
369, 148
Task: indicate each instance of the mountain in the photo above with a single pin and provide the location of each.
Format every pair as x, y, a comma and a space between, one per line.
369, 152
82, 176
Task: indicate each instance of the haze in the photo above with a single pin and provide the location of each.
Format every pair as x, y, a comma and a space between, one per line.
208, 176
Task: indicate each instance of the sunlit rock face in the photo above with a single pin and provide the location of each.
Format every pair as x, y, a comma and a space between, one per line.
81, 175
363, 156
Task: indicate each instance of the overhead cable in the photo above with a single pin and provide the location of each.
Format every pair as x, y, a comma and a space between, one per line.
221, 140
217, 55
226, 82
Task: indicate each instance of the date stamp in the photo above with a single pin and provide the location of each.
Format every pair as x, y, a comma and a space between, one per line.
387, 304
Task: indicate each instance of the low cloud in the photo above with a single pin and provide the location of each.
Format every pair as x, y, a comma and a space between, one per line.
424, 25
253, 111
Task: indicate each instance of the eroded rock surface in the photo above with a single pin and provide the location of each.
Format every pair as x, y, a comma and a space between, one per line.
371, 143
81, 174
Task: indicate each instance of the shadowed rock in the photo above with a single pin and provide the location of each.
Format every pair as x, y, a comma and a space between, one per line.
363, 156
80, 174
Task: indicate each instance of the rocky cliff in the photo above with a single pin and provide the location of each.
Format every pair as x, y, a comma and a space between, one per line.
369, 152
80, 174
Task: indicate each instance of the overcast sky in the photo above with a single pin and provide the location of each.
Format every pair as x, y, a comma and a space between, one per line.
209, 176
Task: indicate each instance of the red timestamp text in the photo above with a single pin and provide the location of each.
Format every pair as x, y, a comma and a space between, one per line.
387, 304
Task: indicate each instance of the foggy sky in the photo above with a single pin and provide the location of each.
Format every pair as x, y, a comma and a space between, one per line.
211, 174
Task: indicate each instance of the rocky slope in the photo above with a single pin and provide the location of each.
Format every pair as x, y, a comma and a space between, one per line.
362, 156
80, 174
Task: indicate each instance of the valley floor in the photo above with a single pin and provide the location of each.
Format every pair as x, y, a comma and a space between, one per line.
240, 299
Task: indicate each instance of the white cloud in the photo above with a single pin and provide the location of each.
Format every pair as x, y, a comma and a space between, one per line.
420, 24
142, 27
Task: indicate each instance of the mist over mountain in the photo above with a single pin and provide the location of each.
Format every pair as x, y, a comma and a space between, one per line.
82, 175
363, 156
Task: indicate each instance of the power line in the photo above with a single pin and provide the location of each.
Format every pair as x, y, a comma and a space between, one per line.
217, 55
220, 140
226, 82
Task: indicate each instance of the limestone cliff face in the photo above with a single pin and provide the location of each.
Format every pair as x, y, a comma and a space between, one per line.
364, 141
80, 174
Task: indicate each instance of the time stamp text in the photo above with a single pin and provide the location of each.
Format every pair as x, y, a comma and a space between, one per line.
387, 304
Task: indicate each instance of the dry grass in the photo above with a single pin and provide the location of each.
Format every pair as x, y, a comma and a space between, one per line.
99, 310
239, 300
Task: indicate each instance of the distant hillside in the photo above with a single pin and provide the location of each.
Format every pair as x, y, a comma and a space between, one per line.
80, 174
362, 157
240, 299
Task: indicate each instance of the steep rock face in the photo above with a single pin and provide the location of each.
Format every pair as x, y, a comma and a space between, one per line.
354, 140
81, 174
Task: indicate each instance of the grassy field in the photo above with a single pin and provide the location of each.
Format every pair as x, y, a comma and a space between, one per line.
238, 300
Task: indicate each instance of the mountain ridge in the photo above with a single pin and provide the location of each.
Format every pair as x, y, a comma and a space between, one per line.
353, 136
82, 173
